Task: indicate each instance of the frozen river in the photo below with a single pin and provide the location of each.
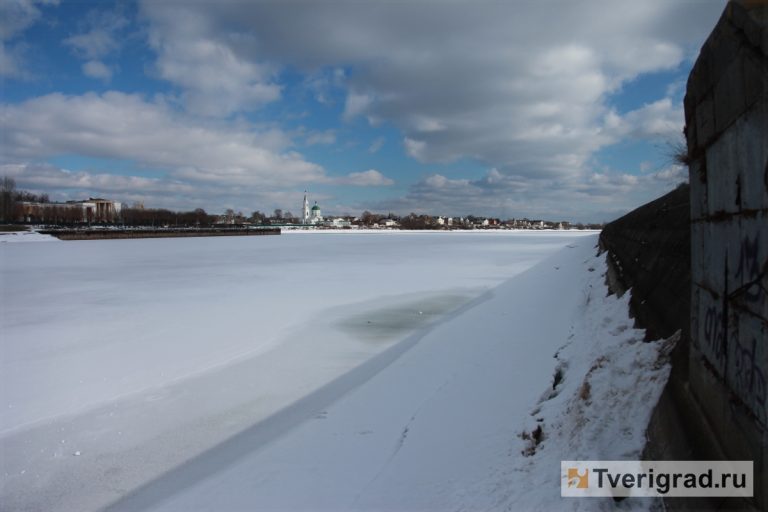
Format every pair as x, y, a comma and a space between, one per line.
121, 359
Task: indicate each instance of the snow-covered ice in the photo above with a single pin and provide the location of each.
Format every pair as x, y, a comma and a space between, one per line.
25, 236
313, 371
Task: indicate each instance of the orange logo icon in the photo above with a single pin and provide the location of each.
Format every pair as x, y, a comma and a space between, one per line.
576, 480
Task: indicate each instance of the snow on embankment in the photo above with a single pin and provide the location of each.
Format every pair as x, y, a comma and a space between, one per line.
476, 414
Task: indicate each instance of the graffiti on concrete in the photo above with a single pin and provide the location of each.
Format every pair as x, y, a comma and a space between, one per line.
749, 271
714, 334
749, 381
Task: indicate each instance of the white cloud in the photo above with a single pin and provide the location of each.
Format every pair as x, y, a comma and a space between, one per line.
10, 62
659, 120
523, 90
597, 197
15, 17
376, 145
156, 192
673, 174
97, 69
49, 177
98, 38
356, 104
123, 126
326, 137
18, 15
415, 148
369, 178
94, 44
215, 77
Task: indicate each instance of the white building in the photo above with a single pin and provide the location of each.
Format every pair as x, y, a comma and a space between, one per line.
338, 222
305, 210
315, 215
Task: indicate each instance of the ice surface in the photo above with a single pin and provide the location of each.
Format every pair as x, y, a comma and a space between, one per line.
315, 371
446, 425
139, 355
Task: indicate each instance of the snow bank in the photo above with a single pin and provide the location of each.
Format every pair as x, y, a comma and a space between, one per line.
25, 236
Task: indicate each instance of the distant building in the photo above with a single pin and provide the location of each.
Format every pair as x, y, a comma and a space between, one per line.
92, 210
338, 222
305, 210
315, 215
310, 216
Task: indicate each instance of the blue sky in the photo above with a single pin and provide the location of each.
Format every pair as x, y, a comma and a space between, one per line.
556, 110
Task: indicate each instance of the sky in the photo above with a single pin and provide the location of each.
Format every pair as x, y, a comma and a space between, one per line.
553, 109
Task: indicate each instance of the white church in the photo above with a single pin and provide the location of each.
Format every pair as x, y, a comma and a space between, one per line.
310, 216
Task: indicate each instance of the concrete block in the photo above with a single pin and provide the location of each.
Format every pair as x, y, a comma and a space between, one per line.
748, 364
697, 179
696, 319
710, 333
719, 245
752, 27
764, 41
748, 257
701, 80
725, 46
722, 176
697, 252
704, 121
755, 79
709, 278
751, 158
729, 98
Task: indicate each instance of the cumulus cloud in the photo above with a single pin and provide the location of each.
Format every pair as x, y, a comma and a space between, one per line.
18, 15
598, 197
47, 176
209, 65
324, 138
660, 120
525, 94
369, 178
125, 126
97, 69
154, 192
376, 145
356, 104
10, 62
15, 17
99, 36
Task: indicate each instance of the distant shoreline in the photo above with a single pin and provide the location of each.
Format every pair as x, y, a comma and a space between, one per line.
112, 234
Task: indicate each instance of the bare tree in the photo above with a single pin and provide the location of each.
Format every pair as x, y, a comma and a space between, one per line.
7, 198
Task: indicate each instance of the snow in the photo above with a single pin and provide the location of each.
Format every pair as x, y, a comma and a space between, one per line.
332, 371
25, 236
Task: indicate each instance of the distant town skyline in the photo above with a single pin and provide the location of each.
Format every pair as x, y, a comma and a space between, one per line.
557, 110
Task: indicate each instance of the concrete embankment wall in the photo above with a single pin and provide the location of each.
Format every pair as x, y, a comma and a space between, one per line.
106, 234
714, 406
726, 111
649, 250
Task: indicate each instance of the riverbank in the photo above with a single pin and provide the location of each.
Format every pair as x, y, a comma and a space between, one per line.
117, 234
